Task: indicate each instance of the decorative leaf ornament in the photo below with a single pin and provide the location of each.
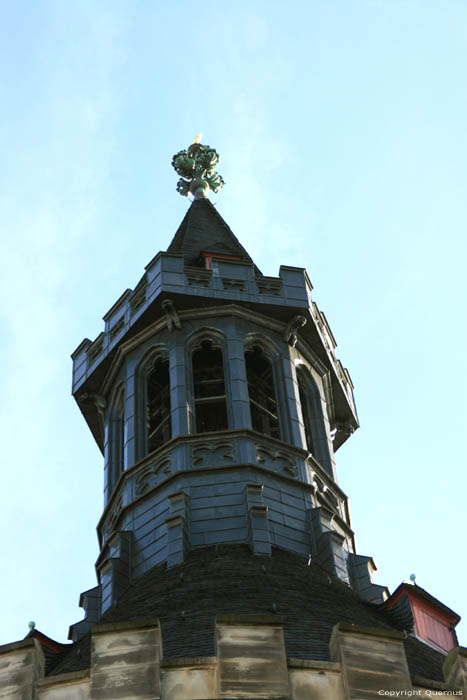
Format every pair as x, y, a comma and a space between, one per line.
197, 168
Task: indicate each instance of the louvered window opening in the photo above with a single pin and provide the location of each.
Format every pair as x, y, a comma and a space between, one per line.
433, 630
159, 426
306, 414
209, 389
261, 392
117, 432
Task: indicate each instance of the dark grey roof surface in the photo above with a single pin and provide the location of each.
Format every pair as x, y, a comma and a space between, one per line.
204, 229
417, 590
77, 659
228, 579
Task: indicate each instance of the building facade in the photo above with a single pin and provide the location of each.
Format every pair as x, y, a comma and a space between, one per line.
227, 565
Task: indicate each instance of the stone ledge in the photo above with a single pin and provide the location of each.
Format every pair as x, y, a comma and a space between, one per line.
343, 627
70, 677
16, 646
314, 665
108, 627
183, 661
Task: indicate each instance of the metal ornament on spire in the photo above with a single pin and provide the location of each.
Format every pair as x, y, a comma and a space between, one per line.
197, 167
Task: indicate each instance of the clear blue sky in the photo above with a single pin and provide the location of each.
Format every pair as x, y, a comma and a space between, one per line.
342, 132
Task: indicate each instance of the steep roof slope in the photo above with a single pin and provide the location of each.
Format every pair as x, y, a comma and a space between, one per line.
228, 579
204, 229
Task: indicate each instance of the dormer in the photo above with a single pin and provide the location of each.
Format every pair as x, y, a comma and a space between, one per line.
433, 622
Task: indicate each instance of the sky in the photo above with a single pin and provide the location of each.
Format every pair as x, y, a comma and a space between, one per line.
342, 132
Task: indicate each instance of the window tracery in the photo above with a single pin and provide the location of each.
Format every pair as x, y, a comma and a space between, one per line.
262, 392
210, 404
157, 404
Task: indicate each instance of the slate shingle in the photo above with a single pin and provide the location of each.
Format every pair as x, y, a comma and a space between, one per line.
204, 229
228, 579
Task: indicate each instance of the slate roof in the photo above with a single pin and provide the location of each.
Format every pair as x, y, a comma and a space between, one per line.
413, 589
228, 579
204, 229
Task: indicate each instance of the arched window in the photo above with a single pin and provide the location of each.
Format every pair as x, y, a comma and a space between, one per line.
209, 388
158, 421
313, 419
306, 412
116, 439
261, 392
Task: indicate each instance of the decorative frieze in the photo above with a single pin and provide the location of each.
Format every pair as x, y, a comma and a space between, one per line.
272, 458
212, 452
152, 473
114, 516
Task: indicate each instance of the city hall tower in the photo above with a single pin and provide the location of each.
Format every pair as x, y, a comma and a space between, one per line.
227, 564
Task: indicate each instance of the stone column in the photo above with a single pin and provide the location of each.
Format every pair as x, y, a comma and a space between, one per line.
290, 401
178, 389
235, 360
132, 432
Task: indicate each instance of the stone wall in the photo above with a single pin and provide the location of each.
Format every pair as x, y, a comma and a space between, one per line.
127, 664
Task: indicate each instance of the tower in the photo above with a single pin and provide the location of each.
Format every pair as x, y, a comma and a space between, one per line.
227, 563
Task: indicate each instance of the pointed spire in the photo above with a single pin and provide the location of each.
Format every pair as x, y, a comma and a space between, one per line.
203, 230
